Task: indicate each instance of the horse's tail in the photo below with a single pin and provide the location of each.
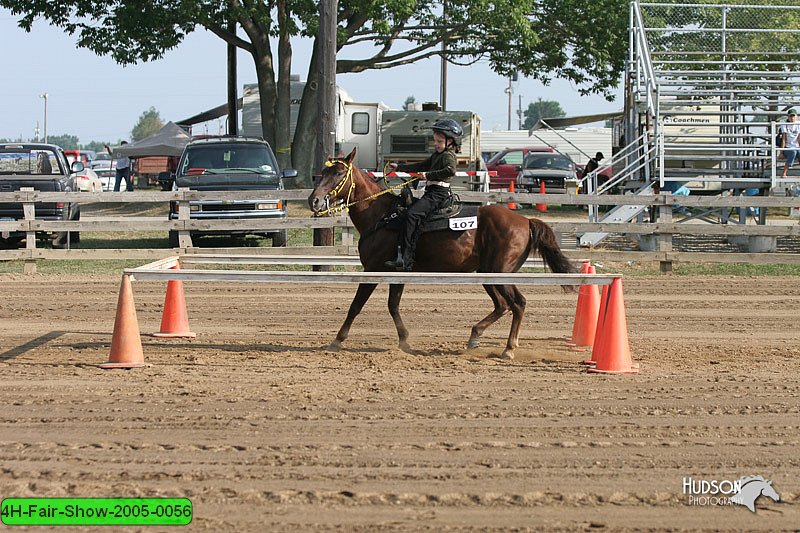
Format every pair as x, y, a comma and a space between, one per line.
543, 241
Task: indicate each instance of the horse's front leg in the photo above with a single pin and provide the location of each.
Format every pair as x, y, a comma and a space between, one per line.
395, 293
363, 293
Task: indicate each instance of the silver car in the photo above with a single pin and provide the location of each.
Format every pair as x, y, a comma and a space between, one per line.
554, 170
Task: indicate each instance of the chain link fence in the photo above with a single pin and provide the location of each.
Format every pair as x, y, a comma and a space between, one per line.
712, 30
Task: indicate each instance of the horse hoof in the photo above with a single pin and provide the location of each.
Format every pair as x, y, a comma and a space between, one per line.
406, 348
506, 356
473, 343
335, 346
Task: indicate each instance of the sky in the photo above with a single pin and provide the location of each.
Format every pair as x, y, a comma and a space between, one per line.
98, 100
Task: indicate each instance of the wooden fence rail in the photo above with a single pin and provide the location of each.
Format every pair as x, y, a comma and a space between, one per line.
661, 231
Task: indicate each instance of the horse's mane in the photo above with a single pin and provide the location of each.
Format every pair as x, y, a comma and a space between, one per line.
750, 479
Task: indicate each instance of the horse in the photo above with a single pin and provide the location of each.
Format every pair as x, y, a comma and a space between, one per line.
502, 242
752, 488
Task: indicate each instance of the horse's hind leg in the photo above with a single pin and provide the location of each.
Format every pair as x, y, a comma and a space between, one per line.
517, 303
500, 308
363, 293
395, 293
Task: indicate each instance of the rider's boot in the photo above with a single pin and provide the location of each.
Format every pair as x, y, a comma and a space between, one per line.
402, 263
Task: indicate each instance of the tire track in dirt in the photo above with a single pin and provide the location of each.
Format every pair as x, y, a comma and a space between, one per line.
262, 428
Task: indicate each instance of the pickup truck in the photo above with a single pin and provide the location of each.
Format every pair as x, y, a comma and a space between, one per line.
43, 167
230, 164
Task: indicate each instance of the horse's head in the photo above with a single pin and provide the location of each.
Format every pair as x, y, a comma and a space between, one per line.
335, 185
768, 491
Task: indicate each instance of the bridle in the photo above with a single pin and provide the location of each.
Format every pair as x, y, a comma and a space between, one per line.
342, 204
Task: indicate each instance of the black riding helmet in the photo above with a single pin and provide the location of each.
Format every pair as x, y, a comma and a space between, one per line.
449, 128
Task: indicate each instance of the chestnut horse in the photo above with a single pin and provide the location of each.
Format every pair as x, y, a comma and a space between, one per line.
502, 242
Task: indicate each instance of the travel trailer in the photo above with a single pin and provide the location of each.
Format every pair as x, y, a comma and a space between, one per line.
381, 135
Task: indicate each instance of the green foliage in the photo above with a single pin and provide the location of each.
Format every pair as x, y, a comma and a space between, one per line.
541, 109
584, 42
149, 123
409, 100
66, 141
99, 146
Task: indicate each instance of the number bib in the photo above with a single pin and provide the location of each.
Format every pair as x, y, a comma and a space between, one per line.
464, 223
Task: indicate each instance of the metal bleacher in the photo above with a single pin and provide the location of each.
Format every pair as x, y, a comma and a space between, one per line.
707, 87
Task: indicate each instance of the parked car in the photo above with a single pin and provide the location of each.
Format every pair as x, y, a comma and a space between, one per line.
106, 170
88, 181
555, 170
77, 155
42, 167
230, 164
508, 163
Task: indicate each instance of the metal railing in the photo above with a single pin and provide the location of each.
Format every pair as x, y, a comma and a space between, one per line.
722, 58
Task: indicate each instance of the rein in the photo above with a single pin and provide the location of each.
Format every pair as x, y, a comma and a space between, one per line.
345, 204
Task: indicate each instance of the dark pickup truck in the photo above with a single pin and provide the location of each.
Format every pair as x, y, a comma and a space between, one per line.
230, 164
42, 167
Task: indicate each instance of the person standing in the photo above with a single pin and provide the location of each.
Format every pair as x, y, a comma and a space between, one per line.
592, 165
123, 172
789, 141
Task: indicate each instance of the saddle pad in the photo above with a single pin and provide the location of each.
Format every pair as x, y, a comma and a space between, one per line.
438, 223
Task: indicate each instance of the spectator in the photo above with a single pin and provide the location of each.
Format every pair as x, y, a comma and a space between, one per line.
789, 142
593, 164
123, 172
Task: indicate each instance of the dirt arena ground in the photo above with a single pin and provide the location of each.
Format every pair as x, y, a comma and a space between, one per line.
264, 430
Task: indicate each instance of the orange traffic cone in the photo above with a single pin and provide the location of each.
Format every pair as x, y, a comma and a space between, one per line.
598, 337
126, 345
174, 321
615, 353
585, 327
579, 307
511, 205
541, 207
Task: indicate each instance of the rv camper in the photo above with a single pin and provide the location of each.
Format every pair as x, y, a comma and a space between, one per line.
379, 134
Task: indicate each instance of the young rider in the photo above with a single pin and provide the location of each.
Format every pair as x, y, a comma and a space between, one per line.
438, 170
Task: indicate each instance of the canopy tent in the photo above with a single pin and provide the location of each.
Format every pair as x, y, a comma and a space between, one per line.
169, 140
552, 123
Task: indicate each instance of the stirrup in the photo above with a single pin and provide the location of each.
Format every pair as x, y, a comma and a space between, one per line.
399, 264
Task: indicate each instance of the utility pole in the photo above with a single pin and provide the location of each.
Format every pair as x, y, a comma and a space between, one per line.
443, 57
519, 111
326, 129
233, 112
509, 92
45, 115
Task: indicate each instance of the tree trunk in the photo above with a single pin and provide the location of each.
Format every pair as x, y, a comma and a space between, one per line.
305, 133
265, 74
282, 144
326, 99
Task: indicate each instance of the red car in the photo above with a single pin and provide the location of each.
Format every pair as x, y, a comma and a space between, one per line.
508, 163
77, 155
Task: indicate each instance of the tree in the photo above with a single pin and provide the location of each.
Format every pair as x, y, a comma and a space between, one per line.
149, 123
65, 141
584, 42
409, 100
99, 146
541, 109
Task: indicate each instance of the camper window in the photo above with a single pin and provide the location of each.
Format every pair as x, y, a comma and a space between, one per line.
360, 123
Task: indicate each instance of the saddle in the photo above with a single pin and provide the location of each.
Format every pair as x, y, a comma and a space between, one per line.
437, 220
